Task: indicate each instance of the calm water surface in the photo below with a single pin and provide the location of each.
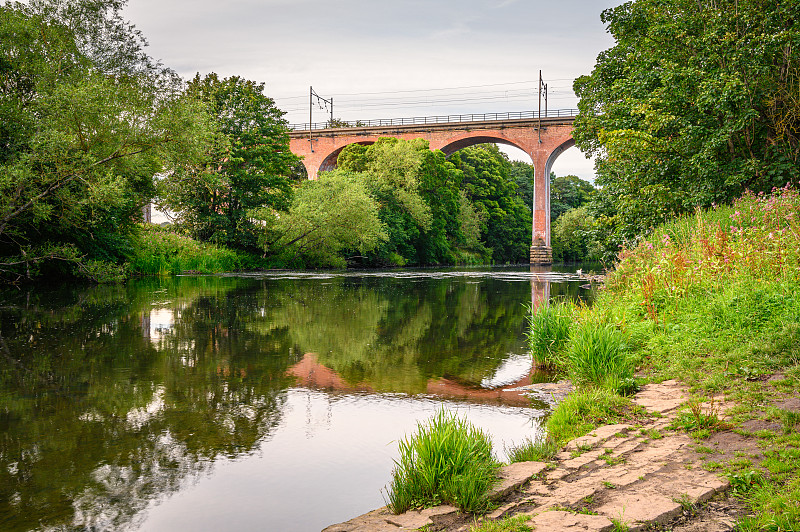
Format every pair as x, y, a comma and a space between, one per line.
256, 402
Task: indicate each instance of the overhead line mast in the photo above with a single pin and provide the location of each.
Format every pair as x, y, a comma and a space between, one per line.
320, 101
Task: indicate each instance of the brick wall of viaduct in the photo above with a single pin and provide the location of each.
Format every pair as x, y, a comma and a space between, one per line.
321, 150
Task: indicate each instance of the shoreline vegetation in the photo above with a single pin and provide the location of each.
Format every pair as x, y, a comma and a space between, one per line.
711, 300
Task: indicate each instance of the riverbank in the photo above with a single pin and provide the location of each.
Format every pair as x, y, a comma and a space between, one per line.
707, 304
629, 476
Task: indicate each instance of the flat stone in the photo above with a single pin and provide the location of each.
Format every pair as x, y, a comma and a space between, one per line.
662, 398
697, 484
581, 460
596, 436
639, 509
414, 519
558, 521
374, 520
515, 475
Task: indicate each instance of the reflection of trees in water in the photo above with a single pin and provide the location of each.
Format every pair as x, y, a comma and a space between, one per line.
395, 335
111, 397
98, 419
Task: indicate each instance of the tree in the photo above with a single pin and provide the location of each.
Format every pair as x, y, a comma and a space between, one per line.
327, 216
87, 119
572, 234
506, 223
696, 102
568, 192
249, 165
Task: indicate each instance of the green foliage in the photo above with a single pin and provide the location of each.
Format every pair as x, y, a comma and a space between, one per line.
505, 220
86, 120
428, 218
446, 461
584, 410
160, 251
328, 216
550, 327
716, 293
568, 192
696, 103
247, 167
573, 236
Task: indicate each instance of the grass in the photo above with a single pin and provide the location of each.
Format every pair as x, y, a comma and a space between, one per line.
517, 523
711, 299
446, 461
549, 331
540, 449
598, 355
159, 251
584, 410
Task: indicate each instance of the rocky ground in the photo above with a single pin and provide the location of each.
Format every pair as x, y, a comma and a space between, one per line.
618, 477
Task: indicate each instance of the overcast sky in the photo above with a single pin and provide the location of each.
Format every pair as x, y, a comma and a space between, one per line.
385, 59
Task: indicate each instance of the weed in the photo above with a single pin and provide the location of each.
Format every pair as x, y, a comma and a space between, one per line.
703, 449
620, 525
609, 485
597, 355
584, 410
697, 418
686, 503
744, 481
712, 466
446, 461
789, 420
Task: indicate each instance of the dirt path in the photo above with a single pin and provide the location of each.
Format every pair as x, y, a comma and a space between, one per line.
615, 477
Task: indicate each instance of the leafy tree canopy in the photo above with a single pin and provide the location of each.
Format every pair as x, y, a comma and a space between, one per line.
568, 192
248, 166
506, 220
696, 102
327, 217
86, 120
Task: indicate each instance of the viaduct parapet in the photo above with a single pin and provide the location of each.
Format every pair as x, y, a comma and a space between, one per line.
542, 139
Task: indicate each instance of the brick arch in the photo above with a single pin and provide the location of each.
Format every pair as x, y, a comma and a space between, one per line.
465, 141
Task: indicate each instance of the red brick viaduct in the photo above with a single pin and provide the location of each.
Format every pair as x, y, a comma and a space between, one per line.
543, 139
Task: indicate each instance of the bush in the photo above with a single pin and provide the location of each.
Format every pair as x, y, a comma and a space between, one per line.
446, 461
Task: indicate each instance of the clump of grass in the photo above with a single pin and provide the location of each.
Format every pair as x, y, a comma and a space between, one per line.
540, 449
550, 326
446, 461
584, 410
516, 523
598, 355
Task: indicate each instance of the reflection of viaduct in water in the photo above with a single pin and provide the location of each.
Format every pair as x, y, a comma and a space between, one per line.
311, 374
542, 136
540, 286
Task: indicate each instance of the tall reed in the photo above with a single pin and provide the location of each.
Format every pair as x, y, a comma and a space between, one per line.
447, 461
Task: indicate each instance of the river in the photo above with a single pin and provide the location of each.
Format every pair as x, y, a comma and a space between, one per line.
250, 402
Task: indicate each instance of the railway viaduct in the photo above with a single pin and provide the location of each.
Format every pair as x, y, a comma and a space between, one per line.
543, 137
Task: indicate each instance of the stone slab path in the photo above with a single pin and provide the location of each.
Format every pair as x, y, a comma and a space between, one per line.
615, 475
